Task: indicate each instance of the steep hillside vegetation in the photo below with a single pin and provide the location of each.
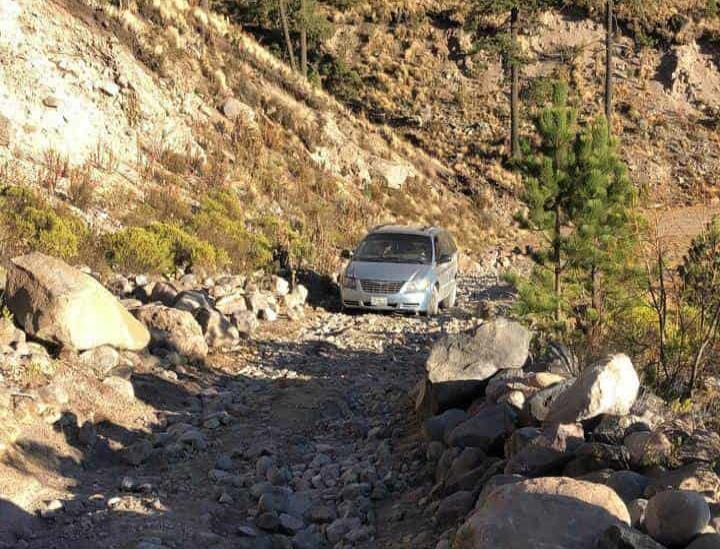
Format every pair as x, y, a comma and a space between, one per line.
419, 70
161, 115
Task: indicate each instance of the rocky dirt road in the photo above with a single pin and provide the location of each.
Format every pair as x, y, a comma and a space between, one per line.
303, 437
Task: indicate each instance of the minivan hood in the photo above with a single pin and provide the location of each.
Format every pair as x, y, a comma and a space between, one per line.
386, 271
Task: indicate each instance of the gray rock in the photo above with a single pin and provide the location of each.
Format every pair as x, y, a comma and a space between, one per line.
165, 293
55, 303
468, 460
637, 508
519, 439
675, 517
218, 330
101, 359
290, 524
436, 426
231, 304
455, 507
191, 300
698, 477
458, 364
268, 521
174, 330
609, 387
339, 528
485, 430
538, 405
628, 484
246, 323
549, 452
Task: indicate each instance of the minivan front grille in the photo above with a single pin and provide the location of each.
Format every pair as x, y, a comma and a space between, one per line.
381, 286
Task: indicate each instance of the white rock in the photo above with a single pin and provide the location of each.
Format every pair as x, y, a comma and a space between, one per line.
609, 387
58, 304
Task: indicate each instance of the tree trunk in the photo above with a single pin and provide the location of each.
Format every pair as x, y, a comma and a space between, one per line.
558, 266
609, 64
303, 38
515, 87
286, 32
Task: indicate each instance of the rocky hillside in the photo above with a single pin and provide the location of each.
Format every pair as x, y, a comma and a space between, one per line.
126, 115
420, 75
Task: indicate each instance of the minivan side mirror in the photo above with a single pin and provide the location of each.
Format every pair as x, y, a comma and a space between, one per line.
445, 258
346, 254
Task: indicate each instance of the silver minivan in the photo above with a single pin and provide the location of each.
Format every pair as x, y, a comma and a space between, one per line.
396, 268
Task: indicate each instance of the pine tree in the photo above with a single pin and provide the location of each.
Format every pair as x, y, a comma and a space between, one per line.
549, 187
601, 243
579, 198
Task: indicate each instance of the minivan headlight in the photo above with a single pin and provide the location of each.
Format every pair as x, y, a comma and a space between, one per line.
417, 285
349, 282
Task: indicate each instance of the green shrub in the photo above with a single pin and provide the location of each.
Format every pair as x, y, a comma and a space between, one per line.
30, 223
188, 249
221, 222
340, 80
139, 250
159, 248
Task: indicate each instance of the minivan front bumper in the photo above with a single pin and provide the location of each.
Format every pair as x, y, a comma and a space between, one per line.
401, 301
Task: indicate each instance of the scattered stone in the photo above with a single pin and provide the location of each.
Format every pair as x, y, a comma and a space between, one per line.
455, 507
486, 429
101, 359
121, 386
675, 517
174, 330
436, 426
165, 293
548, 452
637, 508
218, 330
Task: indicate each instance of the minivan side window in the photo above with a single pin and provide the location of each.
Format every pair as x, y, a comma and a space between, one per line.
447, 246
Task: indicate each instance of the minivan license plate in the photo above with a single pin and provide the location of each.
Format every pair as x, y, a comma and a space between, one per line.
378, 301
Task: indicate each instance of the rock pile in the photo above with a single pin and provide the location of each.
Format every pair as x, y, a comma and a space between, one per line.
526, 458
66, 308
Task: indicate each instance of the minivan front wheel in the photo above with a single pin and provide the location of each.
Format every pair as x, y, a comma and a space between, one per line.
449, 301
433, 306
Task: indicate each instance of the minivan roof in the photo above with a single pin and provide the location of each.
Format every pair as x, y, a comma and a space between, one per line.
406, 229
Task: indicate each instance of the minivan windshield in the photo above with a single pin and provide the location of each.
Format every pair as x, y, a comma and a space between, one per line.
395, 248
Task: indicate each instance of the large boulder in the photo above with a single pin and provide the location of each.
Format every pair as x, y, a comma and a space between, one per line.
60, 305
609, 387
173, 330
459, 364
675, 517
551, 512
